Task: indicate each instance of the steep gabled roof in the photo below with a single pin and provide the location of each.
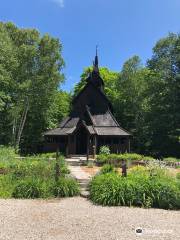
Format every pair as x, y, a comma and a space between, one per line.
105, 119
96, 89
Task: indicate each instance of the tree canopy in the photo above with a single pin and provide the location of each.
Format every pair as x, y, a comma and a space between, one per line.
30, 67
145, 98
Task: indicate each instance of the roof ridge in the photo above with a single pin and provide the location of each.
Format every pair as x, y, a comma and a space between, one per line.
91, 117
67, 119
113, 117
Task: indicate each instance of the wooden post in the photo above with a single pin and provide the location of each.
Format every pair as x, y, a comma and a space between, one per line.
129, 145
87, 148
57, 170
67, 146
124, 169
94, 147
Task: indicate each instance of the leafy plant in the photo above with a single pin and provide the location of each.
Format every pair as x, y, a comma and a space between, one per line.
170, 160
140, 188
178, 175
107, 168
104, 150
28, 188
65, 187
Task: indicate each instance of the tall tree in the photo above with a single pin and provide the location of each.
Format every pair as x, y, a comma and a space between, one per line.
130, 105
164, 97
35, 80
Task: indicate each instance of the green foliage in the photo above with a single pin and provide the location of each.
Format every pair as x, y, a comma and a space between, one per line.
30, 177
107, 168
45, 155
170, 160
146, 98
28, 188
31, 167
147, 159
132, 157
7, 153
138, 189
104, 150
108, 76
59, 108
6, 186
30, 76
178, 175
65, 187
63, 169
115, 158
101, 158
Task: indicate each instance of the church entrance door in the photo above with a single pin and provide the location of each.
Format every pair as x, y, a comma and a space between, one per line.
81, 141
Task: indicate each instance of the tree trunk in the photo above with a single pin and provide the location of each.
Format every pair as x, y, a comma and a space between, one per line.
22, 123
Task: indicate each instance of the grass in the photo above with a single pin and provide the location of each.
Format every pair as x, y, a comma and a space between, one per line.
32, 176
144, 187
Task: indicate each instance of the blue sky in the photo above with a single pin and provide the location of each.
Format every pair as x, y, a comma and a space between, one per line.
121, 28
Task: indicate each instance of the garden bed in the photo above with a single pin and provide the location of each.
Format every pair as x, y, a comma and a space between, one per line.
34, 176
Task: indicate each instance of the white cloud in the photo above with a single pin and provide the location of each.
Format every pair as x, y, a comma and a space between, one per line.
60, 3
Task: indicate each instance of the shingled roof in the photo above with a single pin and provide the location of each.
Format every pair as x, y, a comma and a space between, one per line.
103, 125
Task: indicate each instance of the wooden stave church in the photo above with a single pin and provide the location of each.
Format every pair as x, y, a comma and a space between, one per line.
90, 125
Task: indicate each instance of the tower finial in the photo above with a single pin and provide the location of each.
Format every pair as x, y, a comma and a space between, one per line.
96, 67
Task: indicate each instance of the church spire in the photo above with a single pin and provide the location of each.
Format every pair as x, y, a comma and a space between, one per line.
95, 63
94, 76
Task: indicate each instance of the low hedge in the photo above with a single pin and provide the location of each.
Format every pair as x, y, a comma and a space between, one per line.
37, 188
138, 189
117, 158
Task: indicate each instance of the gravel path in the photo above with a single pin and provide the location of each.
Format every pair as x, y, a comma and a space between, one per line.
77, 219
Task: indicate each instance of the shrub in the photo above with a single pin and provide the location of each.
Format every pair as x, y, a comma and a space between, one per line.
7, 153
138, 189
170, 161
46, 155
63, 169
65, 187
132, 157
32, 168
102, 158
139, 170
6, 186
178, 175
28, 188
147, 159
117, 158
107, 168
104, 150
